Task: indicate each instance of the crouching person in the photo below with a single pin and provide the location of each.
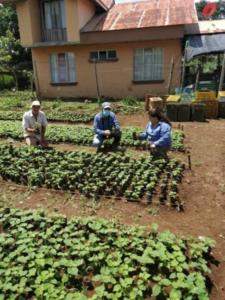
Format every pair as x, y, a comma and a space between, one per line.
157, 133
34, 125
106, 126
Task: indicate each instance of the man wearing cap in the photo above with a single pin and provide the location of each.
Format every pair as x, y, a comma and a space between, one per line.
106, 126
34, 125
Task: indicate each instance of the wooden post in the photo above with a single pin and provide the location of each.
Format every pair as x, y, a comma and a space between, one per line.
197, 79
189, 160
96, 78
171, 74
184, 65
37, 80
222, 74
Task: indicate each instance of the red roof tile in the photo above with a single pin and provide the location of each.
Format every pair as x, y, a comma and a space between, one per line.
148, 13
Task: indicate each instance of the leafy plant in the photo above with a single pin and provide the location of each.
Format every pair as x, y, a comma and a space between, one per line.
91, 175
54, 257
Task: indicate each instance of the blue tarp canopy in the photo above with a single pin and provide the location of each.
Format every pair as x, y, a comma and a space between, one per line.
204, 44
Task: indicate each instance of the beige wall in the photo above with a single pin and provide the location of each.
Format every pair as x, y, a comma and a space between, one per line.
86, 10
78, 13
72, 20
115, 78
29, 22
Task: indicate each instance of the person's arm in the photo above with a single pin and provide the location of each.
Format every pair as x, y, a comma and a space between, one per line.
116, 123
25, 124
96, 126
143, 136
44, 125
165, 139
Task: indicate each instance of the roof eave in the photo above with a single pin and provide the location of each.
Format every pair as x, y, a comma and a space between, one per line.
105, 7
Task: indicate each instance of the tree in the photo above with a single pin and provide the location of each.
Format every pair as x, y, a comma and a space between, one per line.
14, 59
8, 21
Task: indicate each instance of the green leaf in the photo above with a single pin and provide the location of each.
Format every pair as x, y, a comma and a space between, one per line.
156, 290
72, 271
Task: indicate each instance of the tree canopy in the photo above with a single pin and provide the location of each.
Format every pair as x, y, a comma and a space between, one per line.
14, 59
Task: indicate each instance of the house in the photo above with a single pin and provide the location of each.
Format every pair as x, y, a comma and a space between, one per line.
87, 48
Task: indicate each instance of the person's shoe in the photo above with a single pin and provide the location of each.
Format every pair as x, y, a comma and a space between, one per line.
119, 148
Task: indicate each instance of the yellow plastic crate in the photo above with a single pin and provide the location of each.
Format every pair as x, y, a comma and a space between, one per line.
221, 96
173, 98
205, 96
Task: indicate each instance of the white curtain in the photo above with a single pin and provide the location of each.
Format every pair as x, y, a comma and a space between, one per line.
54, 68
139, 64
63, 68
47, 15
148, 64
71, 67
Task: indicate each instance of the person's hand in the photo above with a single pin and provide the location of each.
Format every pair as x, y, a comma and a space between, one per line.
107, 132
43, 142
153, 146
37, 131
135, 136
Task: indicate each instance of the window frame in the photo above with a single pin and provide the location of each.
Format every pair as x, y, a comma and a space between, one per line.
107, 59
146, 81
70, 70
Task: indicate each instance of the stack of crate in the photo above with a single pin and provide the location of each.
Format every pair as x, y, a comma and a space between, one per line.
221, 100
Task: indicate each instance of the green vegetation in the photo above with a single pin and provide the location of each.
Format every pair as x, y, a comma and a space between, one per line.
92, 175
52, 116
14, 59
6, 81
80, 135
76, 259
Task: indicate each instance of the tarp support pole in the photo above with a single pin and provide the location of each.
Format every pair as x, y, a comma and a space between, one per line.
183, 68
171, 74
222, 74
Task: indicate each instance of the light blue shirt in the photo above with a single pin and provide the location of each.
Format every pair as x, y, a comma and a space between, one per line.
160, 135
102, 123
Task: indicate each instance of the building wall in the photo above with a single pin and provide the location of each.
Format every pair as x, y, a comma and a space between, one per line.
29, 22
72, 20
78, 13
86, 10
115, 78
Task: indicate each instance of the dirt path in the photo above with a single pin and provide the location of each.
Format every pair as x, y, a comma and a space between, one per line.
203, 191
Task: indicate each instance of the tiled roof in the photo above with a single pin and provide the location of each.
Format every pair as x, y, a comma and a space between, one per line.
206, 27
148, 13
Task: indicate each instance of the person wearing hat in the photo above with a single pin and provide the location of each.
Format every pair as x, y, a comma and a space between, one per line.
34, 125
106, 126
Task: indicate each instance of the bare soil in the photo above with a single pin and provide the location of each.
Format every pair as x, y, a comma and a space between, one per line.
203, 191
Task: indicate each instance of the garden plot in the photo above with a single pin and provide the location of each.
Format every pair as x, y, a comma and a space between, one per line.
81, 135
95, 175
53, 116
57, 258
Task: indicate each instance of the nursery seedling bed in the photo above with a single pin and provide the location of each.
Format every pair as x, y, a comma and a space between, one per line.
46, 257
53, 116
83, 135
92, 175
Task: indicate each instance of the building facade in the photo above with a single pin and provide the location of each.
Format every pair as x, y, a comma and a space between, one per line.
91, 48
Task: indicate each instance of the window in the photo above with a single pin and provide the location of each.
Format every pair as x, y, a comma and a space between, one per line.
148, 64
63, 68
53, 20
107, 55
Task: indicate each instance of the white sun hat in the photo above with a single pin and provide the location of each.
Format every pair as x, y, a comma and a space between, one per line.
35, 103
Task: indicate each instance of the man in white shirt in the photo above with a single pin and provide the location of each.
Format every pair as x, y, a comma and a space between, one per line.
34, 125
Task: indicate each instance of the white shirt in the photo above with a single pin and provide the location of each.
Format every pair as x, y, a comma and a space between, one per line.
29, 121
